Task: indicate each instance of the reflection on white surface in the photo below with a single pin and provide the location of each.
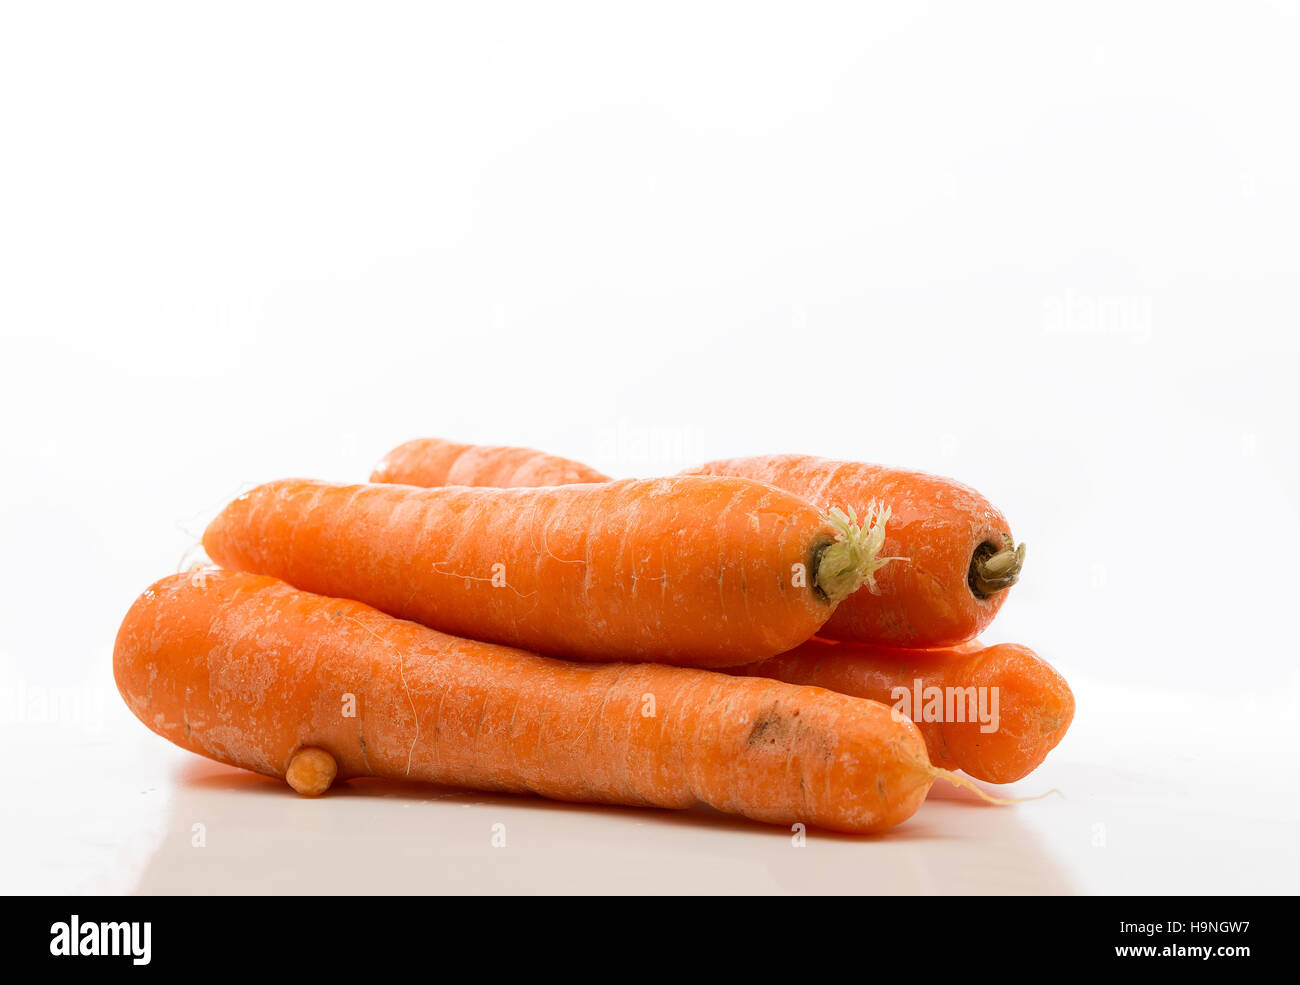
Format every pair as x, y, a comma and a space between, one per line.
379, 837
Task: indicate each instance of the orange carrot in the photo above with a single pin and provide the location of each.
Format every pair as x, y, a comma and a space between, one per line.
993, 712
696, 571
960, 558
434, 462
245, 670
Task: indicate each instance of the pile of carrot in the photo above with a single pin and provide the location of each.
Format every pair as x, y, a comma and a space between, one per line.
786, 638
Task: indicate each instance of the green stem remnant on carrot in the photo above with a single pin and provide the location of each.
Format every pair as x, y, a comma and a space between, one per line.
853, 560
245, 670
995, 571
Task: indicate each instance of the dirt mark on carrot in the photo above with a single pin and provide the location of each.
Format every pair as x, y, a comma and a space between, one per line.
778, 727
770, 727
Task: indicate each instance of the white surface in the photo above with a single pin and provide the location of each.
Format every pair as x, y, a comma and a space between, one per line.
1050, 253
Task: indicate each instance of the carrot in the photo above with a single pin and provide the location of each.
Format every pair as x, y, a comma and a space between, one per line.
960, 558
434, 462
250, 672
697, 571
993, 712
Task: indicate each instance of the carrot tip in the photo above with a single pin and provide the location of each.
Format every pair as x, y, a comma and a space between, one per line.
853, 560
957, 780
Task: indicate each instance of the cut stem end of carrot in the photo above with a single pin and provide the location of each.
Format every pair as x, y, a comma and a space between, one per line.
996, 571
853, 560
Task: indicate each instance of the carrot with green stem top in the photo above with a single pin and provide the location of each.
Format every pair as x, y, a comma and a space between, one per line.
250, 672
993, 712
960, 558
691, 570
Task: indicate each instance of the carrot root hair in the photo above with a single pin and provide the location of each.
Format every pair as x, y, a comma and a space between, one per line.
194, 557
957, 780
853, 560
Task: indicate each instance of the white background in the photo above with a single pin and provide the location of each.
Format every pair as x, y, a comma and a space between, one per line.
1049, 250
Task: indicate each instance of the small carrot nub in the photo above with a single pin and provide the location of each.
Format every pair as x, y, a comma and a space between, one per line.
311, 771
853, 560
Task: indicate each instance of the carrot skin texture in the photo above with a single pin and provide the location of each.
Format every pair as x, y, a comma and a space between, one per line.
436, 462
694, 571
1035, 705
248, 671
936, 524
